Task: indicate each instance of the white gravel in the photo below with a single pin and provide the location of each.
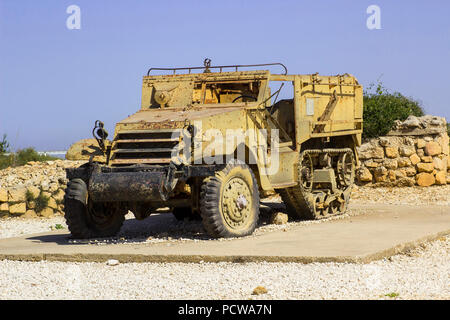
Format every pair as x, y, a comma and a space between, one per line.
433, 195
423, 274
16, 227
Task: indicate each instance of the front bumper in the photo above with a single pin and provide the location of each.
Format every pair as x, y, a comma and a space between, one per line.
138, 183
126, 186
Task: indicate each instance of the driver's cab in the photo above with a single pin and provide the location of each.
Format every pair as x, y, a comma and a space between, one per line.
222, 89
226, 92
248, 89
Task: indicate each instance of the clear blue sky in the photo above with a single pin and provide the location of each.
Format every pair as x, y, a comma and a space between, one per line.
55, 82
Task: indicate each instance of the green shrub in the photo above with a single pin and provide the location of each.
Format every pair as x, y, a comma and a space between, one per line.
6, 161
41, 202
4, 145
392, 295
22, 157
29, 196
382, 108
29, 154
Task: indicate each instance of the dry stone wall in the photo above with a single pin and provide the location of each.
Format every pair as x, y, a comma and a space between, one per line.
34, 190
415, 152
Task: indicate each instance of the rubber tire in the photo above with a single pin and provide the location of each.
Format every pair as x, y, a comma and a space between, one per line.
210, 201
77, 217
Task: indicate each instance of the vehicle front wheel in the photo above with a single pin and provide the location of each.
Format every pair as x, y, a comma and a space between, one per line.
229, 202
88, 219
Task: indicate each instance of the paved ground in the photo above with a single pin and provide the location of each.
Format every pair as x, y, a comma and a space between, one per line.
382, 231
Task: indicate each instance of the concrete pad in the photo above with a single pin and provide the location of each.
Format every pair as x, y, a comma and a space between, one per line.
382, 231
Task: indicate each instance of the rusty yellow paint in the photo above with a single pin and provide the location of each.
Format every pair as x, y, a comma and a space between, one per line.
222, 101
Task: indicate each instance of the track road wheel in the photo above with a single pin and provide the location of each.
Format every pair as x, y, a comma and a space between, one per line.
87, 219
346, 170
229, 202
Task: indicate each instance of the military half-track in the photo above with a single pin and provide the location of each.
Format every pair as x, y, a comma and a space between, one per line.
208, 141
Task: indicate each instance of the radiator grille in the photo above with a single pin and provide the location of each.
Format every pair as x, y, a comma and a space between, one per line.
140, 147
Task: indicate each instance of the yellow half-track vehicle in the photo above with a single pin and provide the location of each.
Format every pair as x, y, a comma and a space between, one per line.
208, 141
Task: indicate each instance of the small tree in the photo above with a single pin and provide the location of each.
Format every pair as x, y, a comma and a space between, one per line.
4, 145
382, 108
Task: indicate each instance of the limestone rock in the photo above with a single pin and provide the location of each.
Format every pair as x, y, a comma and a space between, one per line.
18, 208
410, 171
53, 187
45, 186
17, 194
404, 162
59, 195
392, 175
391, 141
419, 126
420, 143
30, 214
425, 167
440, 164
406, 151
384, 141
279, 218
426, 159
441, 177
432, 148
391, 152
84, 149
3, 195
369, 150
408, 141
4, 207
443, 141
390, 164
420, 152
380, 174
52, 203
414, 159
371, 164
411, 122
405, 182
259, 290
46, 212
425, 179
112, 262
400, 173
364, 175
